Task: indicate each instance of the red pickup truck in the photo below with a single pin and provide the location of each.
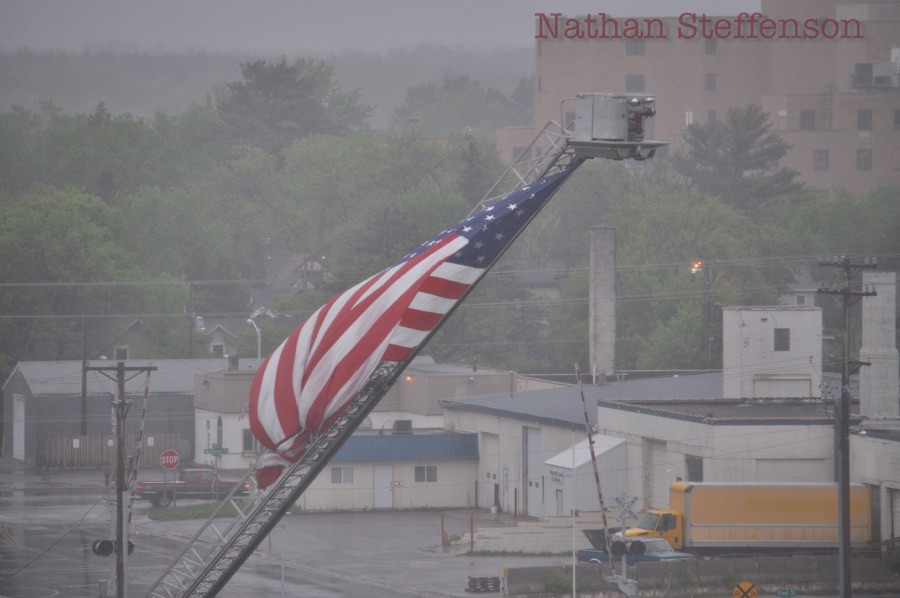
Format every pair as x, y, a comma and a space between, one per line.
191, 483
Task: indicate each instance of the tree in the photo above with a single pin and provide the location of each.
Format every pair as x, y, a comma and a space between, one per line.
20, 165
660, 232
52, 243
277, 103
460, 105
736, 160
98, 153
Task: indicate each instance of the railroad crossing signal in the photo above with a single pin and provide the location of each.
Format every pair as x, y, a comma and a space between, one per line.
745, 589
625, 504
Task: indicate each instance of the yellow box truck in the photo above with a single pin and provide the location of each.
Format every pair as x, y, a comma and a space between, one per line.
755, 517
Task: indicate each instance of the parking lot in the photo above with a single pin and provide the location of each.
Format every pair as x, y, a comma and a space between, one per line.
50, 521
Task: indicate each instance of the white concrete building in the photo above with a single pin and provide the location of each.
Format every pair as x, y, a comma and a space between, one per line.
772, 352
401, 470
569, 476
719, 441
517, 434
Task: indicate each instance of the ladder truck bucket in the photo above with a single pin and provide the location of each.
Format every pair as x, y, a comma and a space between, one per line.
615, 126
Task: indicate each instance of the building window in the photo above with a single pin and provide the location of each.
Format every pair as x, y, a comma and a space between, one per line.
864, 120
709, 82
710, 45
800, 300
341, 475
693, 468
782, 339
121, 352
807, 120
634, 83
218, 349
864, 159
711, 117
820, 160
634, 47
426, 474
248, 442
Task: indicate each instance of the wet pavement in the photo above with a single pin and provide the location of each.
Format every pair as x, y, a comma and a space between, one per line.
49, 520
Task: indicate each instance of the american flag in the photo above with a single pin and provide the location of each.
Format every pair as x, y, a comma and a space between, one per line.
308, 381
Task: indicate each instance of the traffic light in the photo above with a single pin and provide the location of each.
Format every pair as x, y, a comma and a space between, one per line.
107, 547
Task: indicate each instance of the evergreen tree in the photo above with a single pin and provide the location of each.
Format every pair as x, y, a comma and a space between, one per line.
736, 160
277, 103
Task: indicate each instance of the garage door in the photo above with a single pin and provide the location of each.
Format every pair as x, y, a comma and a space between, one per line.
656, 476
534, 471
490, 458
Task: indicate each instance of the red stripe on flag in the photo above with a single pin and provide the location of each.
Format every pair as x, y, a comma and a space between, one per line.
339, 323
448, 289
420, 320
396, 353
357, 305
288, 412
362, 347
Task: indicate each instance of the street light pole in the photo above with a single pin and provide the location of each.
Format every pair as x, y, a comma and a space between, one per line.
258, 337
848, 297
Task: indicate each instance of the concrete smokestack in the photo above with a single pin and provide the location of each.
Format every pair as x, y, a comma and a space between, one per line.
879, 383
602, 333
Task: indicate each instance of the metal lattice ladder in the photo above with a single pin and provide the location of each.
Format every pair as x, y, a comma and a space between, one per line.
214, 555
548, 153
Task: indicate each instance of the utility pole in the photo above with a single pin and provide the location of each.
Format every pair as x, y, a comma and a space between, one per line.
702, 266
84, 410
121, 405
848, 296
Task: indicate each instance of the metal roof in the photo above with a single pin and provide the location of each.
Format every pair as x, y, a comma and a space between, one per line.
431, 445
47, 378
582, 453
734, 412
692, 396
563, 407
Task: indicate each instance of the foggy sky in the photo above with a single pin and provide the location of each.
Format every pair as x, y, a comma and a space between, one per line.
298, 26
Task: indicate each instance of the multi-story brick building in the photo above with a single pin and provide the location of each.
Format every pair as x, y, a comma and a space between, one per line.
826, 71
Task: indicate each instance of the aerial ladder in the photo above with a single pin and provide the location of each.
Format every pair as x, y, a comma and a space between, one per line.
609, 126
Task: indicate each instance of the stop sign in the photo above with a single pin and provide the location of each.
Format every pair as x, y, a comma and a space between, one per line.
169, 459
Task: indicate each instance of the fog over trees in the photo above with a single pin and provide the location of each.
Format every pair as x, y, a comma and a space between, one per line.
119, 212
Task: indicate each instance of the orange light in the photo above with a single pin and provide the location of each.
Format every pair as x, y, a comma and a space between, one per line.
697, 266
409, 378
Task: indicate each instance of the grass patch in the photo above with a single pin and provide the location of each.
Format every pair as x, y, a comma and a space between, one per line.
202, 511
